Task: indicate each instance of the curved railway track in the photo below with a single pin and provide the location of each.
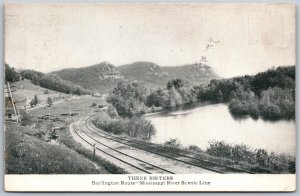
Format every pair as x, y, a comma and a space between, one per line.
140, 165
197, 162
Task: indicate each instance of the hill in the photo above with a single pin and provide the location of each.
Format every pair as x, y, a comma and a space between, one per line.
53, 82
196, 73
25, 90
100, 77
104, 76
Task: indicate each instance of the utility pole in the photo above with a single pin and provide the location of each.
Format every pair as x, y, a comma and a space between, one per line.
94, 152
49, 115
10, 94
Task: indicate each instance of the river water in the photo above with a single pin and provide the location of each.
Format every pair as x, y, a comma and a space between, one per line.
200, 123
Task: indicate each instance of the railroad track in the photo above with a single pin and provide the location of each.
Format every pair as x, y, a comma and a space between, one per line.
131, 161
201, 163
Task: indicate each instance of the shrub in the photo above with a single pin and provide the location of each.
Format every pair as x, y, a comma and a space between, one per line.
49, 101
136, 127
262, 161
173, 142
25, 119
262, 157
219, 148
34, 101
112, 112
195, 148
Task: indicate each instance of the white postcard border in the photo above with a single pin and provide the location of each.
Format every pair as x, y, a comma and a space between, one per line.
151, 183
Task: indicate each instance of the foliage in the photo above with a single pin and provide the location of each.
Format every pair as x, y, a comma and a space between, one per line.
25, 119
243, 102
282, 77
34, 101
277, 103
104, 76
158, 98
178, 92
269, 94
111, 111
101, 77
53, 82
10, 74
177, 83
260, 157
173, 142
129, 99
135, 127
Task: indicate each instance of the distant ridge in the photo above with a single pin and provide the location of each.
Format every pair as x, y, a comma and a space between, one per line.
104, 76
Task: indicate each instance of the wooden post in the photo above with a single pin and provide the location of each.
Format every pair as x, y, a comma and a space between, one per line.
10, 94
94, 152
49, 115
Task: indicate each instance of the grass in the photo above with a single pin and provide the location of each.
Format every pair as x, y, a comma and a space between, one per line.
27, 153
81, 105
68, 140
26, 149
27, 90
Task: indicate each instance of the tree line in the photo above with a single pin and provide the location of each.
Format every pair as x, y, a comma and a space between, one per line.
11, 74
269, 94
265, 162
53, 82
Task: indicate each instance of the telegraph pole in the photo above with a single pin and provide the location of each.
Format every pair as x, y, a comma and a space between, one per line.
10, 94
49, 115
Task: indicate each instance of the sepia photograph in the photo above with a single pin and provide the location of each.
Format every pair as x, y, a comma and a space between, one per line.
149, 97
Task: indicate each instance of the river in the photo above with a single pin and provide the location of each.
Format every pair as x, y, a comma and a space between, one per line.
200, 123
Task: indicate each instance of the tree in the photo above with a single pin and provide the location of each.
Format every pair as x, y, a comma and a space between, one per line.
10, 74
178, 83
277, 103
129, 99
25, 119
158, 98
34, 101
186, 94
262, 157
111, 111
174, 97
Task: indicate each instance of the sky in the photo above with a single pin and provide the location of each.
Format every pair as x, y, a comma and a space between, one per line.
242, 38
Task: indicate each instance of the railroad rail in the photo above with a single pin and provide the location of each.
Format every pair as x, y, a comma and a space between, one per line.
201, 163
140, 165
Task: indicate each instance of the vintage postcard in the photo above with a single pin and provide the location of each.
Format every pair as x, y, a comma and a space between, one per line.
149, 97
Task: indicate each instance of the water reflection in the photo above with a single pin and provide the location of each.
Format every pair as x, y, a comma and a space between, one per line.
199, 123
